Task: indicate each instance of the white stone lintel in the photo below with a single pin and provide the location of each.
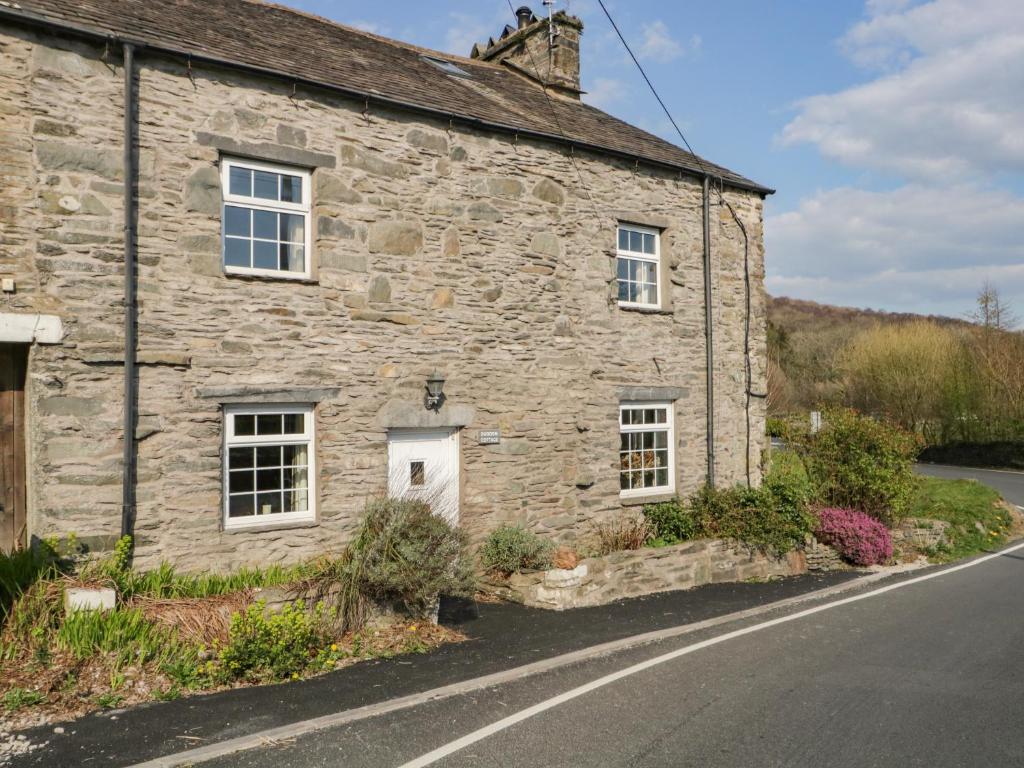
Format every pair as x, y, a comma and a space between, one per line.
26, 329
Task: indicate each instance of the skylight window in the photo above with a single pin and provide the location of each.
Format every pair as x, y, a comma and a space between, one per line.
446, 66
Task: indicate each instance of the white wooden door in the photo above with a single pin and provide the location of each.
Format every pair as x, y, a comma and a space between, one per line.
425, 465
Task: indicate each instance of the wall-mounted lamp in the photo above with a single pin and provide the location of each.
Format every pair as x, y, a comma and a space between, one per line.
434, 398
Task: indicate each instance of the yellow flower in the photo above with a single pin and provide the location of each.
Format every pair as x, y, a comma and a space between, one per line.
412, 627
334, 646
295, 675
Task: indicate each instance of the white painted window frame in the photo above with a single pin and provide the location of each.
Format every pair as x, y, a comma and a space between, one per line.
669, 427
255, 203
654, 259
307, 438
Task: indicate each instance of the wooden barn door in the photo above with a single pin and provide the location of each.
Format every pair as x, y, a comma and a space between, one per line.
13, 362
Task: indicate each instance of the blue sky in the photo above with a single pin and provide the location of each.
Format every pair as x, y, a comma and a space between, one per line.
893, 130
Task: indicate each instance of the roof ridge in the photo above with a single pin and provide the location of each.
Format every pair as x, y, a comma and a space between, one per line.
373, 35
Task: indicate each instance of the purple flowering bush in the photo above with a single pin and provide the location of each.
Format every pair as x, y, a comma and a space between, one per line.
858, 537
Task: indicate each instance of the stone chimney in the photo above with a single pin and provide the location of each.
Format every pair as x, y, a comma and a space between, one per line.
528, 50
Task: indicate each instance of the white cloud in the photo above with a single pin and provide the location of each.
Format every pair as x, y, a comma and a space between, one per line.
605, 92
915, 248
465, 29
948, 103
659, 45
367, 26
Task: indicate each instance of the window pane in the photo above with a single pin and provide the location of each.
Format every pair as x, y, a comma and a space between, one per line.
239, 482
245, 424
648, 479
623, 291
623, 240
661, 476
649, 272
417, 473
636, 242
240, 180
295, 478
268, 503
295, 455
292, 258
648, 440
237, 252
241, 506
624, 481
622, 268
268, 479
661, 458
648, 416
660, 415
627, 416
648, 243
268, 456
264, 255
294, 424
296, 501
268, 424
241, 458
236, 221
264, 225
647, 294
661, 439
291, 189
293, 228
265, 185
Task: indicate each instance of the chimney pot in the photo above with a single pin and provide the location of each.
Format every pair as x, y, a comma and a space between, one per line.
525, 16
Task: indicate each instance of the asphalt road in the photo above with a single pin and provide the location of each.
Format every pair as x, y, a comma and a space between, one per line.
1009, 483
926, 674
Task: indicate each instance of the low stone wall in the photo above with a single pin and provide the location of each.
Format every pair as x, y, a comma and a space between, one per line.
920, 533
600, 580
821, 557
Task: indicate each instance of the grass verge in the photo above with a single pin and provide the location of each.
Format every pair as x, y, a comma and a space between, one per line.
978, 520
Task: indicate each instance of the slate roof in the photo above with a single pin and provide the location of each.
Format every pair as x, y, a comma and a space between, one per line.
312, 50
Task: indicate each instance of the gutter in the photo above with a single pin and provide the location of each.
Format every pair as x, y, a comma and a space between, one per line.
28, 17
709, 345
130, 304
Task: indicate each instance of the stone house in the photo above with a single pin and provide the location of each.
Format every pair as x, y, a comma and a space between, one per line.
258, 266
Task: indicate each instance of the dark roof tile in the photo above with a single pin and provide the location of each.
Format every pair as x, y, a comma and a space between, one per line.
306, 47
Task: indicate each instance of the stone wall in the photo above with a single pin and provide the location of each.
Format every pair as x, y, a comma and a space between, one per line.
600, 580
436, 247
920, 533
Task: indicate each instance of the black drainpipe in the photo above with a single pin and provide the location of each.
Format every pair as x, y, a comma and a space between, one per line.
128, 481
708, 334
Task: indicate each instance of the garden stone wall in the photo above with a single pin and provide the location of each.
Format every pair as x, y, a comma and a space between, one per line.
920, 533
821, 557
601, 580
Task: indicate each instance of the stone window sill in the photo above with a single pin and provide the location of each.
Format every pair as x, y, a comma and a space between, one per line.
637, 501
245, 277
271, 527
647, 310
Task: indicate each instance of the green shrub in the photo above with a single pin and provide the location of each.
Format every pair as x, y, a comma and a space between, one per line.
274, 646
857, 462
774, 518
672, 521
406, 554
511, 549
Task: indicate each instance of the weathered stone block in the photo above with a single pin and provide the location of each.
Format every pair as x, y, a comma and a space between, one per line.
202, 191
379, 289
549, 192
434, 142
59, 156
397, 238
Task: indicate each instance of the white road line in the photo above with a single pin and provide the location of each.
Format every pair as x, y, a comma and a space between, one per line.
479, 735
